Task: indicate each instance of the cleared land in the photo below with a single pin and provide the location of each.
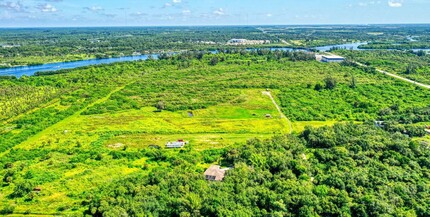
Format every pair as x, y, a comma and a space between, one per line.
227, 120
105, 126
215, 127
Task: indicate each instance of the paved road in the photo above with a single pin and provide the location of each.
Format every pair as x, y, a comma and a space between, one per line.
267, 93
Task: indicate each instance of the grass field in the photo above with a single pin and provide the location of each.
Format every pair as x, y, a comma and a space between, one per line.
227, 122
215, 127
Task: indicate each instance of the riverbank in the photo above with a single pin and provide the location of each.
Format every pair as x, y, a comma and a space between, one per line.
55, 66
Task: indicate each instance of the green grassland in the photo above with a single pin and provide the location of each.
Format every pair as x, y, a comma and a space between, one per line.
228, 122
215, 127
104, 126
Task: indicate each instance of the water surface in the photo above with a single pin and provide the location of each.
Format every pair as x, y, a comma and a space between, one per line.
30, 70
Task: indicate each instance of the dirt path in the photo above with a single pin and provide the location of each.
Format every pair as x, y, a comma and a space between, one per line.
398, 77
267, 93
393, 75
69, 118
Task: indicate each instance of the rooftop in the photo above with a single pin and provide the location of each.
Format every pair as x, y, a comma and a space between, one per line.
215, 171
332, 57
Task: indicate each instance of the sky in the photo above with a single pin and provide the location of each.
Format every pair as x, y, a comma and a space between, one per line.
71, 13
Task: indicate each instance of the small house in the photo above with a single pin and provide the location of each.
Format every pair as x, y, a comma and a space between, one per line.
178, 144
332, 59
215, 173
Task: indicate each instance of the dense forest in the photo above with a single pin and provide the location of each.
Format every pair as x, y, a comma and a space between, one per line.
42, 45
345, 170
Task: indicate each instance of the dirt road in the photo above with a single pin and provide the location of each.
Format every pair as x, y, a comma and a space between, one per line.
398, 77
267, 93
393, 75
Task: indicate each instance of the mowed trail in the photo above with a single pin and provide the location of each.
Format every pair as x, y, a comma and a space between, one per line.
267, 93
70, 118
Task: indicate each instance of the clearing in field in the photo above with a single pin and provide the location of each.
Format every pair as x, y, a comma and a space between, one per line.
251, 115
214, 127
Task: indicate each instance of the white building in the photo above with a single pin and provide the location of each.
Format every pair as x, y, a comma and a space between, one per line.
178, 144
237, 41
247, 42
332, 59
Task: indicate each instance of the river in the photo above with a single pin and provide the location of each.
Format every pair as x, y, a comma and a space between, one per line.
30, 70
349, 46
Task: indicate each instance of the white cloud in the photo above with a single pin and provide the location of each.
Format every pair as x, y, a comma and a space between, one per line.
368, 3
172, 3
139, 14
13, 6
219, 12
269, 15
395, 3
47, 8
186, 11
100, 11
94, 8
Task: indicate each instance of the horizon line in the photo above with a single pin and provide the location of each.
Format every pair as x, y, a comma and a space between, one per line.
210, 25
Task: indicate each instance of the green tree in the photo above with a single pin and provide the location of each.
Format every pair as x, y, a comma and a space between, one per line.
214, 61
160, 106
330, 83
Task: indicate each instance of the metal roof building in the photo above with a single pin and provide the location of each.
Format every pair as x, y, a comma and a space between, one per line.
332, 59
